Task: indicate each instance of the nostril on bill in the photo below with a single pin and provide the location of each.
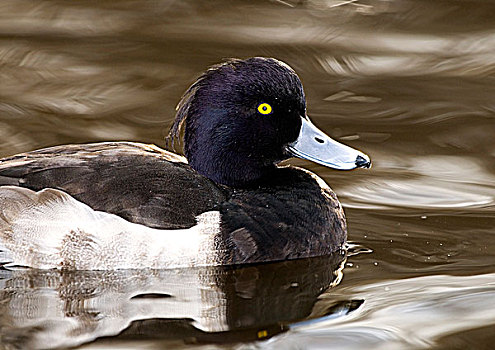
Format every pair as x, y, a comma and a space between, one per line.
362, 162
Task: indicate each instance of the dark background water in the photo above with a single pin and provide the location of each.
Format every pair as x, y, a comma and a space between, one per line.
411, 83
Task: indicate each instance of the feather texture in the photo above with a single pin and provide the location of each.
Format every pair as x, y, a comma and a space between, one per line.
50, 229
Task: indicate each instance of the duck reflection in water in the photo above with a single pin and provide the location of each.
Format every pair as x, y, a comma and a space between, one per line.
50, 309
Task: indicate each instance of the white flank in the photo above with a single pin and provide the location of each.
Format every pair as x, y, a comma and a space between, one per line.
50, 229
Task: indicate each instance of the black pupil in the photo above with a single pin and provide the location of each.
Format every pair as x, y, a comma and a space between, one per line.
265, 108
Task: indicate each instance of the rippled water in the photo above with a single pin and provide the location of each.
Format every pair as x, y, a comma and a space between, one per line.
409, 82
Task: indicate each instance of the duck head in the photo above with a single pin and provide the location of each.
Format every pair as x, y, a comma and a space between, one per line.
242, 117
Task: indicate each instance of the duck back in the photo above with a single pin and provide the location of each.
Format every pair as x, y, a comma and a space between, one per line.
140, 183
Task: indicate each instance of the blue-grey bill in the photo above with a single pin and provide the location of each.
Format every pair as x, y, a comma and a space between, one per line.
313, 144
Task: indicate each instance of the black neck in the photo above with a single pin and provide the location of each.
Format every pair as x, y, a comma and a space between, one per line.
229, 168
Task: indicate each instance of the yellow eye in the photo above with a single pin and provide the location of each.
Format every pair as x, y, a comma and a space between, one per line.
265, 108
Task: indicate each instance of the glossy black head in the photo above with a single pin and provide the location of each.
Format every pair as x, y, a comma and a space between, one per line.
238, 118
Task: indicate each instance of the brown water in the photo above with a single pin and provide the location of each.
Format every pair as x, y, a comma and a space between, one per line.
411, 83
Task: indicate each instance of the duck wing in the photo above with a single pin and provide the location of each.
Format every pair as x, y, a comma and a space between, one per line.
140, 183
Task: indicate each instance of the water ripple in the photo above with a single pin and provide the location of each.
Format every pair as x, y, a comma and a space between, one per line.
405, 314
435, 182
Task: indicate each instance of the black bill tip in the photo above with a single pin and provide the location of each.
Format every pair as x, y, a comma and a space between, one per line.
362, 162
